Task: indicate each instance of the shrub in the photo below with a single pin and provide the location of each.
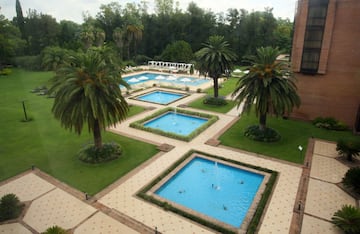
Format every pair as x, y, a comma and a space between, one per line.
10, 207
55, 230
141, 59
347, 219
348, 148
32, 63
216, 101
198, 90
5, 72
268, 135
329, 123
109, 151
352, 179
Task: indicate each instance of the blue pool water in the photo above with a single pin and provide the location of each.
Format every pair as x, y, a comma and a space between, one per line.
169, 78
160, 97
176, 123
217, 190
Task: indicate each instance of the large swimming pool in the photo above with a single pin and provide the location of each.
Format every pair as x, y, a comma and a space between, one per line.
214, 189
168, 78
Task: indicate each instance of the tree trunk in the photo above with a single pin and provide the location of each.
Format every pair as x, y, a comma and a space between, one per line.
349, 157
97, 135
216, 87
262, 122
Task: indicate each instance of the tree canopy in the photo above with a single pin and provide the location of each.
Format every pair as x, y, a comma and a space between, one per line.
133, 31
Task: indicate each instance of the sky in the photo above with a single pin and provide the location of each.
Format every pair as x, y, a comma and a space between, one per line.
73, 9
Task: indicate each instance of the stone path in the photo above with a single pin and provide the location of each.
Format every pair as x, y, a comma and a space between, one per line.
324, 197
118, 210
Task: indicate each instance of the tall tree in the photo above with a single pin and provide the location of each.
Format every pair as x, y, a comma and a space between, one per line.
134, 34
179, 51
269, 86
20, 19
215, 58
87, 36
11, 43
87, 89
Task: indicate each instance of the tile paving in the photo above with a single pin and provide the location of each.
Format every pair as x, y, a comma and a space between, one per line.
324, 196
51, 205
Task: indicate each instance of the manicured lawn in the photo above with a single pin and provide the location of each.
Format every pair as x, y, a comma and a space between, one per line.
294, 133
226, 89
198, 104
43, 143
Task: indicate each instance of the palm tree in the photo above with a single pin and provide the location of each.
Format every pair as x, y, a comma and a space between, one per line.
347, 219
99, 36
87, 91
87, 36
215, 59
118, 37
269, 86
134, 34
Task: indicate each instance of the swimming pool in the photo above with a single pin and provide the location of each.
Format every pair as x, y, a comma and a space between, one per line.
219, 191
176, 123
160, 97
167, 78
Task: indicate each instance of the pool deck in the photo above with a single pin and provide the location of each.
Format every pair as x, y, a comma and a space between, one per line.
116, 209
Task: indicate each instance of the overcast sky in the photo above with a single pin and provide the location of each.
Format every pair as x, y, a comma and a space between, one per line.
73, 9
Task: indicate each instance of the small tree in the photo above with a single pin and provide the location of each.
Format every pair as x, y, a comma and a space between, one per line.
347, 219
55, 230
10, 207
352, 179
348, 149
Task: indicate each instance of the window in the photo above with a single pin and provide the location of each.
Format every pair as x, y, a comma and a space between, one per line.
314, 31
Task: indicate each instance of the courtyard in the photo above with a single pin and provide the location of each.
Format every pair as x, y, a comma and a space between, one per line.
295, 200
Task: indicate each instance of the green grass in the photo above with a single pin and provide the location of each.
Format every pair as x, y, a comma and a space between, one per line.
198, 104
43, 143
226, 89
293, 133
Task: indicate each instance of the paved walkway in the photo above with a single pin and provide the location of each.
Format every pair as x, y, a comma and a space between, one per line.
118, 210
324, 197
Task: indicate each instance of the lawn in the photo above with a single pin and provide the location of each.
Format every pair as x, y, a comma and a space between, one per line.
227, 88
293, 133
43, 143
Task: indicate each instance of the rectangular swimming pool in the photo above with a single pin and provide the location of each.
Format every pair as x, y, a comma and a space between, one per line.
160, 97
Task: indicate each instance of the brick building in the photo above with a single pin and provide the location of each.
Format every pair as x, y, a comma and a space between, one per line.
326, 59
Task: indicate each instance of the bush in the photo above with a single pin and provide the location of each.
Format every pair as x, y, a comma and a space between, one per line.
268, 135
10, 207
5, 72
141, 59
352, 179
32, 63
216, 101
109, 151
348, 148
55, 230
329, 123
347, 219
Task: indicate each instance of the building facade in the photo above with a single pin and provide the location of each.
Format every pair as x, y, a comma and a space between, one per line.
326, 60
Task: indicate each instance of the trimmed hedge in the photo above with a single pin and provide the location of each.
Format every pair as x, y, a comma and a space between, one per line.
108, 152
253, 225
216, 101
329, 123
140, 123
253, 132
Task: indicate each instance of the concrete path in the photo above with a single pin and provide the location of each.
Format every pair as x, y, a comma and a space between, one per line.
324, 197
